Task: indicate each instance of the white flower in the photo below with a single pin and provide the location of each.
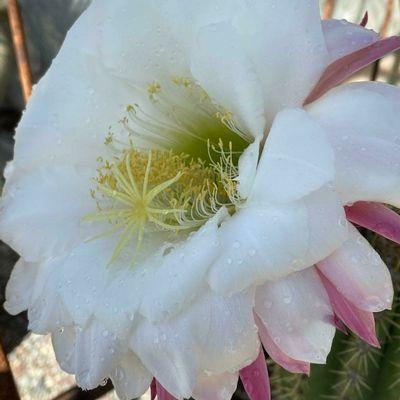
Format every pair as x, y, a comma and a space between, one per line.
169, 244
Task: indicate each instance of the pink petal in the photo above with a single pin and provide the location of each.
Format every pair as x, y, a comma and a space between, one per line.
255, 379
364, 21
377, 218
360, 322
162, 394
346, 66
277, 354
153, 389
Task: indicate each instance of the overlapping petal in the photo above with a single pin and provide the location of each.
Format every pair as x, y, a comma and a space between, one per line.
276, 240
359, 274
362, 122
297, 313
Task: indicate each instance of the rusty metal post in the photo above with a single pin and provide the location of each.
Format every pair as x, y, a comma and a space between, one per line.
328, 9
21, 54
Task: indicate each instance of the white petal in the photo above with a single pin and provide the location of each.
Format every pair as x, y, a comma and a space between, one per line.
289, 58
363, 122
215, 387
130, 379
20, 286
179, 275
42, 211
267, 242
82, 277
223, 69
48, 313
297, 313
297, 159
133, 28
67, 119
214, 334
64, 341
96, 355
343, 37
359, 274
248, 168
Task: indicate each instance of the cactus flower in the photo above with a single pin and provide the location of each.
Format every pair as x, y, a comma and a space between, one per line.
186, 189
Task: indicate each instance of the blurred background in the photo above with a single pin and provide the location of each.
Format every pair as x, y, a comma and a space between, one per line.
355, 371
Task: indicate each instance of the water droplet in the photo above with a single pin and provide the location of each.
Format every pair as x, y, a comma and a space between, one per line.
252, 252
268, 304
287, 299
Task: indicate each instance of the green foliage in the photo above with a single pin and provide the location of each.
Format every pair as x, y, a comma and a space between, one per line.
354, 370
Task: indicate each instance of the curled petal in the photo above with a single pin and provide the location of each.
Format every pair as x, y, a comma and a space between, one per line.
343, 68
377, 218
277, 354
255, 379
360, 322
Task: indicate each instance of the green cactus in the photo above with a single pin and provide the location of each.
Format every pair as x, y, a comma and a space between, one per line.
355, 370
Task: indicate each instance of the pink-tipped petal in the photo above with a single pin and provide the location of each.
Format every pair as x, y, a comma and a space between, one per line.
343, 68
255, 379
377, 218
360, 322
153, 389
162, 393
359, 274
364, 21
277, 354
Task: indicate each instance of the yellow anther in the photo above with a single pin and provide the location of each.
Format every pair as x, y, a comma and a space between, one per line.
154, 88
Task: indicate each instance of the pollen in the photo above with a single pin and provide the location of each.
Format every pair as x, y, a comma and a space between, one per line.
145, 191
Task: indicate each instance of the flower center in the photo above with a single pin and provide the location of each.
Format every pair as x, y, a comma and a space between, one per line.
158, 190
188, 174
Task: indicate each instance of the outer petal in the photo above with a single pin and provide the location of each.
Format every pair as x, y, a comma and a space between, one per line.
20, 286
363, 121
64, 341
215, 387
277, 354
343, 37
96, 355
130, 379
288, 67
360, 322
222, 67
255, 379
268, 242
47, 312
297, 313
42, 211
359, 274
297, 159
214, 334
